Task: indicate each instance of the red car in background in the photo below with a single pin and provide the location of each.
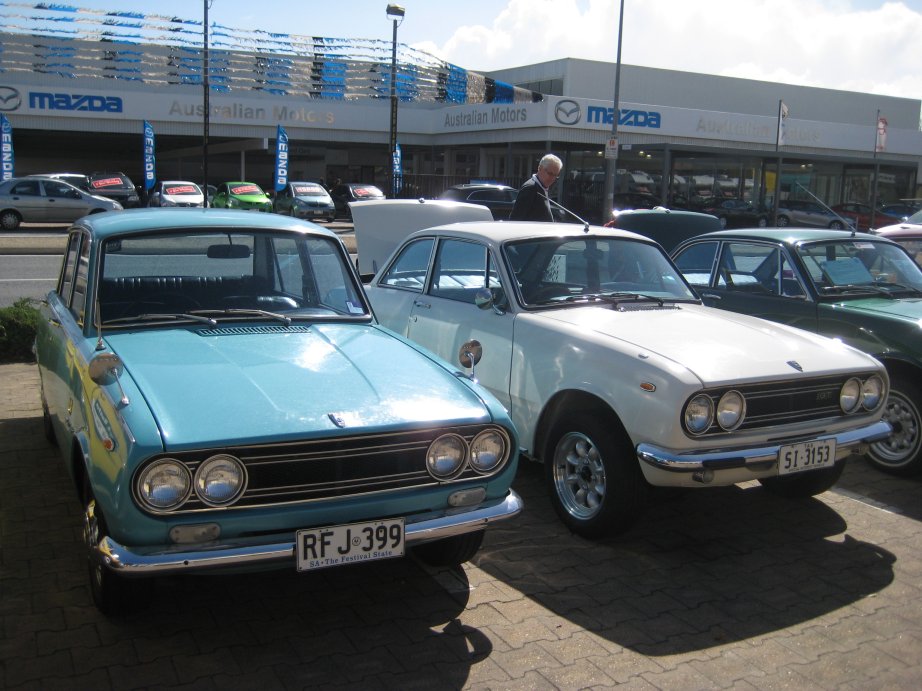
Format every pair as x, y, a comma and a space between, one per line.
861, 215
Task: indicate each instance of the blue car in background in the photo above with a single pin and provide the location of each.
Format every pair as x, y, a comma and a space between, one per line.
224, 398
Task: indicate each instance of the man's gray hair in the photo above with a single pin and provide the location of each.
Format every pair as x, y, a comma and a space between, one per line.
549, 159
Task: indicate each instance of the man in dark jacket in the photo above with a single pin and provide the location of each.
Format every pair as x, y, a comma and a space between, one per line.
532, 202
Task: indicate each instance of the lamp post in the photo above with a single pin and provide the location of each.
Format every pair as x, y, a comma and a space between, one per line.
396, 14
206, 104
611, 160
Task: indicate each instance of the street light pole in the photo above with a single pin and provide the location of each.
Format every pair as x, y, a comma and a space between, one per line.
611, 159
395, 13
206, 105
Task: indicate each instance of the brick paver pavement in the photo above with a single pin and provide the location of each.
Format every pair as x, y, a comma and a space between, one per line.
720, 589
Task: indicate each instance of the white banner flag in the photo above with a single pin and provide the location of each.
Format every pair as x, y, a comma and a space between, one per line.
782, 116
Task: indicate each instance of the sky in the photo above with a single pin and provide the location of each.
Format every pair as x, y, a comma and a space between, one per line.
868, 46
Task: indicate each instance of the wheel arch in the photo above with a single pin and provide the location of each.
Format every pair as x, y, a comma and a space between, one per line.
568, 402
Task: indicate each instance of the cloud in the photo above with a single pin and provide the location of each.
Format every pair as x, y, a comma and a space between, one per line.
856, 45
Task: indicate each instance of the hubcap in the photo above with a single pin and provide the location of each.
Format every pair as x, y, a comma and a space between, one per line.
902, 445
579, 476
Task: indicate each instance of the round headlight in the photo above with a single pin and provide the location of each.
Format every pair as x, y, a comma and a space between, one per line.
698, 414
446, 456
489, 450
850, 395
872, 392
731, 409
164, 484
220, 480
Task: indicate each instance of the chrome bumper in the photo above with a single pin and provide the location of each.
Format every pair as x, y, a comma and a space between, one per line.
250, 552
756, 458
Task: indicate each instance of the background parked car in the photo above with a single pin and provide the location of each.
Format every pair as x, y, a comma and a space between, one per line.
861, 215
667, 226
622, 201
305, 200
241, 195
615, 375
78, 180
900, 210
46, 200
344, 194
858, 288
906, 233
117, 186
499, 199
808, 214
175, 193
224, 399
734, 212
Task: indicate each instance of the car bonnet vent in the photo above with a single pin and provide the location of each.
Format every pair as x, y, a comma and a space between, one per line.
251, 330
645, 307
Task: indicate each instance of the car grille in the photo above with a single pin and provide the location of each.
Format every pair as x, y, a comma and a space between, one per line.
783, 403
330, 468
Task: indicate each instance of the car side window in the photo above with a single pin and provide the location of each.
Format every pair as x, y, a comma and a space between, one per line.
27, 188
58, 189
408, 270
66, 282
78, 299
460, 270
697, 262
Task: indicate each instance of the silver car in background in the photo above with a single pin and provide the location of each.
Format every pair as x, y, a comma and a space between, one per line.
47, 200
176, 193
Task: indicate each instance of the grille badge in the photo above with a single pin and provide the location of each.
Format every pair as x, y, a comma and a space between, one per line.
795, 365
336, 420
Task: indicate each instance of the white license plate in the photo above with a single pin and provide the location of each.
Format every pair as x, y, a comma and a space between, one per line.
352, 543
809, 455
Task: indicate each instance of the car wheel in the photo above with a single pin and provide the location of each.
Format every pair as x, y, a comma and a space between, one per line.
783, 221
901, 452
112, 594
723, 221
762, 222
593, 476
804, 484
837, 225
450, 551
10, 220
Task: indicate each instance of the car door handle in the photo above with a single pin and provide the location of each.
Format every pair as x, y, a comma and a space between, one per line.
421, 304
710, 296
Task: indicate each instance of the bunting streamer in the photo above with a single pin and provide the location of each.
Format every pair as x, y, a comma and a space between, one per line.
150, 162
6, 148
281, 159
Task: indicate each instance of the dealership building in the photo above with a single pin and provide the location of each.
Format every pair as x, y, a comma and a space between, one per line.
78, 85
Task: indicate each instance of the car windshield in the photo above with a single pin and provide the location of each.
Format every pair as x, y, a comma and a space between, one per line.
203, 276
915, 218
110, 182
181, 189
860, 266
308, 190
557, 271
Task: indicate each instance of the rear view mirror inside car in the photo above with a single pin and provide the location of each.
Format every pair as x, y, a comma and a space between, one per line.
228, 251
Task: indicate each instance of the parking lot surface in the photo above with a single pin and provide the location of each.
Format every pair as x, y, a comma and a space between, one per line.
727, 588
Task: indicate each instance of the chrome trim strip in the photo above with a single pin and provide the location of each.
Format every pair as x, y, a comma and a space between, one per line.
719, 459
159, 561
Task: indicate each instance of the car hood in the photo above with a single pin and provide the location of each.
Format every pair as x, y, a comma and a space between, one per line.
717, 346
257, 384
909, 309
251, 198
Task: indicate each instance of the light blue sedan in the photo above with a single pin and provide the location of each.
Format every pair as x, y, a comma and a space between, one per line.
224, 398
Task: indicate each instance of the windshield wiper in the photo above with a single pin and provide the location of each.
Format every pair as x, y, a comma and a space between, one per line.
859, 288
156, 316
251, 312
614, 298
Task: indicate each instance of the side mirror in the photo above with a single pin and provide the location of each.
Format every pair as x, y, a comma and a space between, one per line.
470, 354
483, 298
106, 368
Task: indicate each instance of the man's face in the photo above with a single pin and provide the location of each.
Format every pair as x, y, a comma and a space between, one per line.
548, 174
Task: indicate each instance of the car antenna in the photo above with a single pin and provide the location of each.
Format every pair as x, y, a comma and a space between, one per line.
562, 207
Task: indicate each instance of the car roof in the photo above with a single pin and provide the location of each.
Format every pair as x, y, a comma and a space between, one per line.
900, 230
481, 185
506, 231
787, 234
143, 220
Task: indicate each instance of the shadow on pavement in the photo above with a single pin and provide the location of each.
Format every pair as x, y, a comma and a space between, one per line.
703, 569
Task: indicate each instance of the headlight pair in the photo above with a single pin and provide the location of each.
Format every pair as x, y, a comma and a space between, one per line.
449, 455
166, 484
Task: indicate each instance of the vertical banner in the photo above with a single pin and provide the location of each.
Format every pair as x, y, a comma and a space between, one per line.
397, 171
782, 116
150, 163
281, 159
881, 142
6, 148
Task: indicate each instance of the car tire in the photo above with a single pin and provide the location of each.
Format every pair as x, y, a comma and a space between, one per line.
762, 222
837, 225
901, 453
783, 221
10, 220
804, 484
112, 594
593, 475
449, 551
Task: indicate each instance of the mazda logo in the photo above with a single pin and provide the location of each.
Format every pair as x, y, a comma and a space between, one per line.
567, 112
9, 98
